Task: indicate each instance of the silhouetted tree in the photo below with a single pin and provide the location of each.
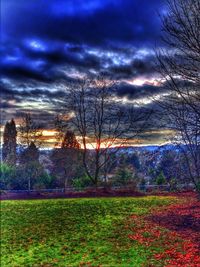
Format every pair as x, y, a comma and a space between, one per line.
179, 66
169, 165
31, 153
70, 141
125, 174
9, 143
66, 160
101, 123
29, 131
31, 168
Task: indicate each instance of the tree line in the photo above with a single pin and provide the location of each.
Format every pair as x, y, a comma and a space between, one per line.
26, 167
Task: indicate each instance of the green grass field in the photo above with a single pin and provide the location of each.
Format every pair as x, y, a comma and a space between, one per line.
74, 232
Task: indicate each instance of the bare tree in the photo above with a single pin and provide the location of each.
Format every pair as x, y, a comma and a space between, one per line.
102, 123
30, 136
179, 65
29, 131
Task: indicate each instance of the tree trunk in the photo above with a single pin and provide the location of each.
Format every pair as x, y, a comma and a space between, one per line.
29, 184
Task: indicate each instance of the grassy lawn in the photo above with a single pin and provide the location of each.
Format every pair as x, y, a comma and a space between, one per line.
75, 232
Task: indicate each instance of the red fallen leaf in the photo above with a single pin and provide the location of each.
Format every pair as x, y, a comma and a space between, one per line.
182, 243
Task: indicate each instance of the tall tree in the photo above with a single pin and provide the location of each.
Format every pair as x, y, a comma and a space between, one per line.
70, 141
30, 138
31, 153
10, 143
101, 123
169, 165
31, 168
66, 159
180, 69
29, 131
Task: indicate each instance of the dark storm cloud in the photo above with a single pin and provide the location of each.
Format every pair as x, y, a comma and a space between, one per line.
103, 24
32, 93
6, 105
17, 65
40, 36
43, 65
28, 92
47, 65
98, 23
22, 72
136, 92
58, 97
135, 68
59, 54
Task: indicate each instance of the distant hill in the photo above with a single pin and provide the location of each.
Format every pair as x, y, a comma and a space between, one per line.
150, 148
128, 150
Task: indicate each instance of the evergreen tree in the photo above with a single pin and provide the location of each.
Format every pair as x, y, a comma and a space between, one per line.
66, 159
31, 154
9, 143
161, 180
31, 167
70, 141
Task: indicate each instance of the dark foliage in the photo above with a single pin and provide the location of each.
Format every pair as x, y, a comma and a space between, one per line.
9, 143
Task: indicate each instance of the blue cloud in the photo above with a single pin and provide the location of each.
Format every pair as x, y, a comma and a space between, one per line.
43, 41
87, 22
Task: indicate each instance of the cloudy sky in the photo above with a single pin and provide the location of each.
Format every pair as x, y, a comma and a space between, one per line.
46, 44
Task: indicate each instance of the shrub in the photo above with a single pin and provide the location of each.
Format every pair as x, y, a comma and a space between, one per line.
143, 184
44, 181
81, 182
173, 184
7, 175
125, 177
160, 180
